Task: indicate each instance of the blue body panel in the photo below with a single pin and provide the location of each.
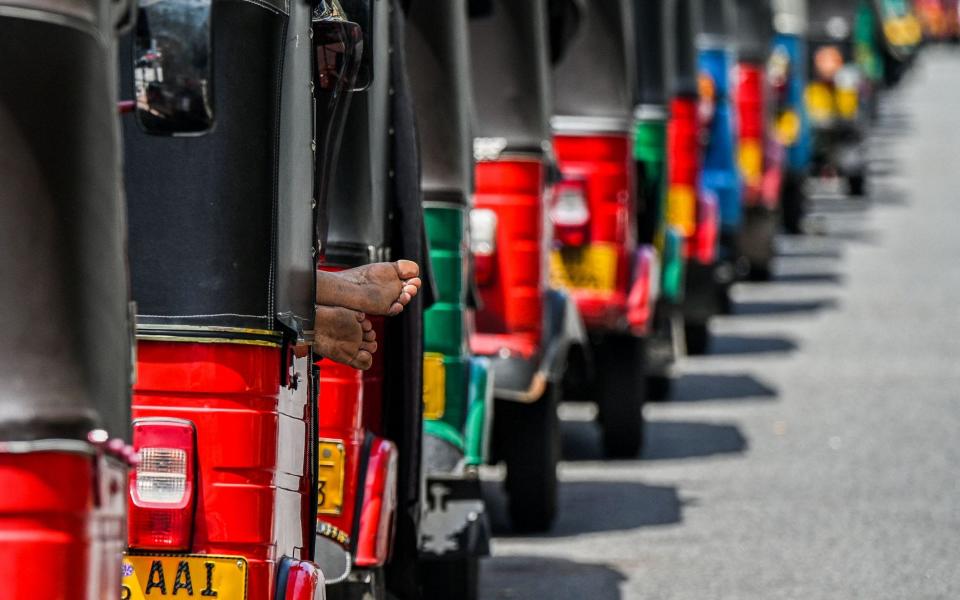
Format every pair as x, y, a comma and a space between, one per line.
720, 171
798, 154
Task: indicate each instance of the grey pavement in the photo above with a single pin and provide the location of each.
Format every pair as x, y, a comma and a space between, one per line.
816, 452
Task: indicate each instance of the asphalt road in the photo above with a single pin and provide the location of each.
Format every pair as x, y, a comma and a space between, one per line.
816, 452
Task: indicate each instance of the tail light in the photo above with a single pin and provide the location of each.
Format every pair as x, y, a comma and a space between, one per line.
162, 486
483, 243
708, 98
379, 505
704, 241
570, 213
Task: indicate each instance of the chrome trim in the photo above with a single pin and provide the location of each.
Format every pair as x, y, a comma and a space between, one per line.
588, 125
52, 445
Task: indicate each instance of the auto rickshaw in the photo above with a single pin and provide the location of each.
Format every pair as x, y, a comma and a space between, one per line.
788, 84
939, 19
596, 256
693, 208
523, 327
717, 55
458, 387
65, 327
371, 421
761, 157
656, 225
899, 34
834, 95
224, 500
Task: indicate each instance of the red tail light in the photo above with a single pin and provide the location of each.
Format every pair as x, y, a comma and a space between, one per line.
162, 486
644, 290
570, 213
379, 505
708, 224
483, 244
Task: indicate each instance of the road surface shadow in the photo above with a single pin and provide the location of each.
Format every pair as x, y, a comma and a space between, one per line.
801, 253
542, 578
809, 278
594, 507
763, 308
706, 387
728, 345
670, 440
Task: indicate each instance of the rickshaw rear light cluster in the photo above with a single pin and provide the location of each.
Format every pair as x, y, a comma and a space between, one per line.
570, 213
379, 505
483, 243
162, 485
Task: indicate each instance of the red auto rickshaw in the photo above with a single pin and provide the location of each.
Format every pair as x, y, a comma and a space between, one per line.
523, 326
594, 210
65, 330
222, 247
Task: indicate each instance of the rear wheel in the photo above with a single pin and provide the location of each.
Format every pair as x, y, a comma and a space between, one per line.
658, 387
857, 185
697, 338
622, 393
528, 436
793, 202
443, 580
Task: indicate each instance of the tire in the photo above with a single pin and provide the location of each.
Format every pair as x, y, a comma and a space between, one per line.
447, 579
857, 185
622, 386
697, 337
528, 437
793, 202
760, 273
658, 388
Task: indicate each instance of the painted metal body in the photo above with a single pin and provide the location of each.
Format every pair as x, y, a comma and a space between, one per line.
65, 328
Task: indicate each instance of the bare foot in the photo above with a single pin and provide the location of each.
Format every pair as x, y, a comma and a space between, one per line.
345, 336
376, 289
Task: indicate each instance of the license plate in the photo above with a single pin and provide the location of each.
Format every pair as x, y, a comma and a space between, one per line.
434, 386
330, 477
157, 577
592, 267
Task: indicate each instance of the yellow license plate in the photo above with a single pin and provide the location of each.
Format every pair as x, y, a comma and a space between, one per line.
592, 267
330, 476
158, 577
434, 386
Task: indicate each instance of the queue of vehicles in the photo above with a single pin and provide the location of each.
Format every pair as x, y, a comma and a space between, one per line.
580, 182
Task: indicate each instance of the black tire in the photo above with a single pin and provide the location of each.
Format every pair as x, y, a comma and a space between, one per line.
447, 579
528, 441
697, 338
857, 185
622, 388
659, 388
760, 273
793, 203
